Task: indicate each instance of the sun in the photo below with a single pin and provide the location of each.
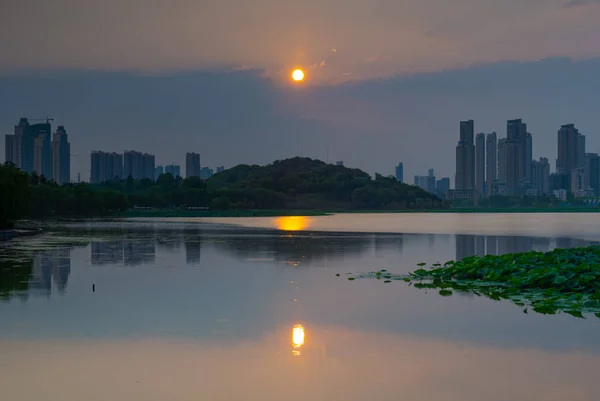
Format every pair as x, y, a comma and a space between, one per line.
298, 75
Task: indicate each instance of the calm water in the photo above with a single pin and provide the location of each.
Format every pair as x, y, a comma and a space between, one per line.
205, 309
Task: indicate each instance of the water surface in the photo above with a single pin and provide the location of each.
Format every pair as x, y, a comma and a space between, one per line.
196, 309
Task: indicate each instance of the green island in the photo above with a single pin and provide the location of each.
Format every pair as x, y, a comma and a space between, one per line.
297, 186
562, 280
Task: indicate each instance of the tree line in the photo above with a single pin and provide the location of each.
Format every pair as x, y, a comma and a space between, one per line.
298, 183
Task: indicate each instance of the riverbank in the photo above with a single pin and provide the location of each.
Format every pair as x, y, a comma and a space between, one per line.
305, 212
12, 233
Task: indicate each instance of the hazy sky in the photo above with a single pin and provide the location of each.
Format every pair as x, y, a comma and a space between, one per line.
387, 80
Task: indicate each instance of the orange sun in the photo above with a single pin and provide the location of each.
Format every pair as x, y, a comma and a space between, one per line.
298, 75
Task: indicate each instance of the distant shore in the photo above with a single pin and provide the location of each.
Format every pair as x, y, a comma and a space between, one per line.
275, 213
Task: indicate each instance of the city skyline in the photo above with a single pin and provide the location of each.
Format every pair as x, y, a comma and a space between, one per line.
404, 118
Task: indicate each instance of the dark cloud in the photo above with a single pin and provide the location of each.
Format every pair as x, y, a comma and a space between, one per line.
244, 117
576, 3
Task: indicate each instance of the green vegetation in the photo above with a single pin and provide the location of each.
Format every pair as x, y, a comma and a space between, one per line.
292, 185
179, 212
562, 280
14, 189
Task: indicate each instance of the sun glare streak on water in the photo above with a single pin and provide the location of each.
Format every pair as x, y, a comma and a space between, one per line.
292, 223
297, 338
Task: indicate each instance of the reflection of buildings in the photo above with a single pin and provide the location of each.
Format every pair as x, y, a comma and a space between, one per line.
306, 249
480, 245
48, 266
129, 252
192, 252
138, 252
107, 252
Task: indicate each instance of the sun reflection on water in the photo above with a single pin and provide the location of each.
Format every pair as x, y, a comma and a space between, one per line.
292, 223
297, 338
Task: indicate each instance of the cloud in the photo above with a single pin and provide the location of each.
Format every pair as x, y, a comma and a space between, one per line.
158, 36
577, 3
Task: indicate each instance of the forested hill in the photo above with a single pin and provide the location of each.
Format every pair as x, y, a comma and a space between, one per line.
304, 183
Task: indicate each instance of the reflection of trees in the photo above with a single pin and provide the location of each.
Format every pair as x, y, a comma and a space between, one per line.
14, 276
306, 247
481, 245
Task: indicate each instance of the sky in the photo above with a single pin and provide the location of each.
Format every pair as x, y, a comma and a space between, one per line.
386, 80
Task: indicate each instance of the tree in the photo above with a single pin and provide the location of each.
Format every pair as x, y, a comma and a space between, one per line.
14, 194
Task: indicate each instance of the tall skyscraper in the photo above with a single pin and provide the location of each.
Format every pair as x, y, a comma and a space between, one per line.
571, 149
491, 173
540, 173
465, 157
502, 160
192, 165
23, 146
9, 149
400, 172
61, 156
480, 164
519, 147
430, 181
42, 149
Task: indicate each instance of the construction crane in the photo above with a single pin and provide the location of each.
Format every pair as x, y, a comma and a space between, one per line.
47, 119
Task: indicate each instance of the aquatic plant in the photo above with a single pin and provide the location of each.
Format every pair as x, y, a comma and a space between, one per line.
562, 280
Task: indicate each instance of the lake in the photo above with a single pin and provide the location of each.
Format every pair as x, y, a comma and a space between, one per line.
234, 309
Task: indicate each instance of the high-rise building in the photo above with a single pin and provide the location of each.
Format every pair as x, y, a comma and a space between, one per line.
480, 164
206, 173
465, 157
97, 167
174, 170
138, 165
148, 163
42, 149
571, 147
9, 149
339, 163
558, 181
430, 181
592, 172
421, 181
442, 185
23, 146
220, 169
158, 171
540, 173
61, 156
571, 152
518, 155
502, 160
106, 167
400, 172
491, 172
577, 181
192, 165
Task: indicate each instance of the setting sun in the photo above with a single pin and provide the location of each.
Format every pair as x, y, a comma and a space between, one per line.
298, 75
292, 223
